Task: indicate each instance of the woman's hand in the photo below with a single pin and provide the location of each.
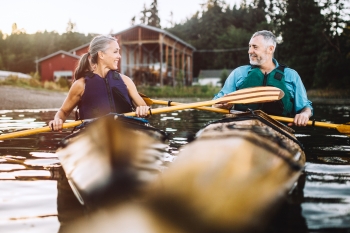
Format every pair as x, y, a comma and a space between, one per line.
142, 111
56, 125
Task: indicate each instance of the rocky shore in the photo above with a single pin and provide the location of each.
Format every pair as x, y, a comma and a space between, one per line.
22, 98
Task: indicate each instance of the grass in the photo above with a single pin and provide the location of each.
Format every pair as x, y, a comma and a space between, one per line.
329, 93
61, 85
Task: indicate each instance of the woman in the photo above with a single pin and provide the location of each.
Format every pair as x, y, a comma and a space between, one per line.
98, 88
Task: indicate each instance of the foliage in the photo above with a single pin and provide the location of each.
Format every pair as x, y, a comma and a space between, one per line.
301, 52
221, 34
63, 82
223, 77
19, 51
33, 82
149, 16
314, 38
206, 91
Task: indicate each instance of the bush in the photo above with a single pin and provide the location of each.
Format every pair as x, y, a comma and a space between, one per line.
179, 91
33, 82
63, 82
51, 85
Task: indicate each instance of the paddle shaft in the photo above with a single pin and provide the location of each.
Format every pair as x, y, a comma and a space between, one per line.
340, 127
36, 130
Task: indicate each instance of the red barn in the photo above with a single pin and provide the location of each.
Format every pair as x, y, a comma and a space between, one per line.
150, 56
56, 65
79, 51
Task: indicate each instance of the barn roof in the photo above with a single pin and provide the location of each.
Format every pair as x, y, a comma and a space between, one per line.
143, 26
157, 30
79, 47
56, 53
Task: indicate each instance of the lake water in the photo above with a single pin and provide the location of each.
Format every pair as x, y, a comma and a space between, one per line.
35, 196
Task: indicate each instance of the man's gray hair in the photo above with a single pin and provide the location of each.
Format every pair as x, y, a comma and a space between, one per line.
269, 37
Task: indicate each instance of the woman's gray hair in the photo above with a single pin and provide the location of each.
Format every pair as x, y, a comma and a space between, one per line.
99, 43
269, 37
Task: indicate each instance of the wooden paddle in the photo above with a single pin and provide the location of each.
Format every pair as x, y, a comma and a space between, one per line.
341, 128
244, 96
248, 95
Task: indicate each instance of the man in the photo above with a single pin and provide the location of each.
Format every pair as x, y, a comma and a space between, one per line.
265, 70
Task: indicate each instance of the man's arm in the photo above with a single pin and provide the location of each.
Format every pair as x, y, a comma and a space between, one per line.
302, 105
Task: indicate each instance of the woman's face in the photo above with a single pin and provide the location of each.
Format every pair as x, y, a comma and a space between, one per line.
111, 56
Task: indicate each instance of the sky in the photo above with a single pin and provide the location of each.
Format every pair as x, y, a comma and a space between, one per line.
98, 16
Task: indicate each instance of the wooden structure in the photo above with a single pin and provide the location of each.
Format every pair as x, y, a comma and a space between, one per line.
56, 65
150, 56
154, 56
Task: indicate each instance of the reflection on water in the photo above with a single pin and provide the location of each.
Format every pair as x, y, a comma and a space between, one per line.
35, 195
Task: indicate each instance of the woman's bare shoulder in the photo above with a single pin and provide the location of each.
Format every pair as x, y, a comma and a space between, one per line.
78, 87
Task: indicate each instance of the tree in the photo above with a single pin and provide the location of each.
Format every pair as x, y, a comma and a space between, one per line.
223, 31
153, 19
150, 16
301, 30
333, 66
70, 26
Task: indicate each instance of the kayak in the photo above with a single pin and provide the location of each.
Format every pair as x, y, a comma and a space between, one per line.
112, 156
231, 178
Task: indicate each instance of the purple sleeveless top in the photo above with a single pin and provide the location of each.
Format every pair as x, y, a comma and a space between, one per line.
104, 95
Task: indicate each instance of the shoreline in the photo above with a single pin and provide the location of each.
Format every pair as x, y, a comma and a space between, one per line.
12, 97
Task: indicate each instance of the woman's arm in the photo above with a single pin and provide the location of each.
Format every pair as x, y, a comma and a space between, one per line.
142, 110
74, 95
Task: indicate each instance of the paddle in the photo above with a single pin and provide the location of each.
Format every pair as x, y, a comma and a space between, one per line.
248, 95
341, 128
244, 96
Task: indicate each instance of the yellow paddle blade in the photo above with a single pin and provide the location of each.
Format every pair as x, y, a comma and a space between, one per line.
147, 100
345, 128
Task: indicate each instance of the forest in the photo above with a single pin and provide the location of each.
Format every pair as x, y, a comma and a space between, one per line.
314, 38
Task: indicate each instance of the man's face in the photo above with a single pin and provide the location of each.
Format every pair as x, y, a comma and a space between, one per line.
258, 52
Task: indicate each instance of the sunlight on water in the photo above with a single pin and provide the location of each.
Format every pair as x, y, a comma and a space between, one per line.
327, 215
31, 225
43, 155
10, 167
301, 135
330, 186
27, 206
327, 169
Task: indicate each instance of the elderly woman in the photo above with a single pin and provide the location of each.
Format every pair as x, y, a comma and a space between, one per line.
98, 89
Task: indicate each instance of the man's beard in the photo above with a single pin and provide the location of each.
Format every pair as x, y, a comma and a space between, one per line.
259, 60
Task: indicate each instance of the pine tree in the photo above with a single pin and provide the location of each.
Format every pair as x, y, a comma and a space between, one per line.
301, 32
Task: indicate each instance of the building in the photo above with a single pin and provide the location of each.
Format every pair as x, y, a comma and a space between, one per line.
150, 56
56, 65
211, 77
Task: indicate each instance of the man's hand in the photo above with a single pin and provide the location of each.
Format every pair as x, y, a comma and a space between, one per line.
224, 106
302, 118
